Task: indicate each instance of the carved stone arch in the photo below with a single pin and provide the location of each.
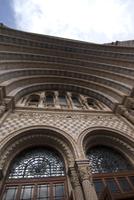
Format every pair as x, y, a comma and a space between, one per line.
108, 137
21, 91
36, 137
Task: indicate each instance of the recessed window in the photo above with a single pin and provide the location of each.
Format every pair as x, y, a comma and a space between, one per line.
103, 159
61, 100
37, 163
38, 174
99, 185
112, 185
124, 184
49, 100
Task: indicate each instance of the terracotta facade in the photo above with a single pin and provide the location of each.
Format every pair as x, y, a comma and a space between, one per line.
31, 63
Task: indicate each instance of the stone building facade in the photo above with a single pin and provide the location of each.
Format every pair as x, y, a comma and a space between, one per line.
66, 118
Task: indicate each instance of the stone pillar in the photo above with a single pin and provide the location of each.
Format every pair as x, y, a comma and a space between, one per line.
41, 101
75, 184
56, 99
86, 179
69, 96
84, 102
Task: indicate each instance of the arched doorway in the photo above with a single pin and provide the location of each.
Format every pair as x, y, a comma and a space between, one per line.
37, 173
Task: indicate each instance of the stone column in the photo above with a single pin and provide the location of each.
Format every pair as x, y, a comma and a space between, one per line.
86, 179
41, 101
75, 184
69, 96
56, 99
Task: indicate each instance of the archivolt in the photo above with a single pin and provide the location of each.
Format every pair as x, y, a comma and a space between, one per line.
109, 137
37, 137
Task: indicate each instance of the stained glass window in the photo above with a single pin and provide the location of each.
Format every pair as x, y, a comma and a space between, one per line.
37, 163
103, 159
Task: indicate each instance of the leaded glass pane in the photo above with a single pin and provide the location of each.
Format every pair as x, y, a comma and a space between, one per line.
37, 163
10, 193
59, 191
26, 192
62, 101
112, 185
76, 102
99, 186
49, 100
43, 192
106, 160
124, 184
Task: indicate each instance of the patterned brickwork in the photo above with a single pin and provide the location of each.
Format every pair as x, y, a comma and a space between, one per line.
71, 123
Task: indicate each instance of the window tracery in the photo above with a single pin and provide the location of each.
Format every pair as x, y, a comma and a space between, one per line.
104, 159
37, 173
61, 100
37, 163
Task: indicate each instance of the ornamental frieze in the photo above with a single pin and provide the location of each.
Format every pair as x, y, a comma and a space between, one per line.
69, 122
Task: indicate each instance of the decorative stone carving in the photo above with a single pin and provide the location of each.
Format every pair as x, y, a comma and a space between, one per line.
73, 177
73, 125
84, 170
57, 142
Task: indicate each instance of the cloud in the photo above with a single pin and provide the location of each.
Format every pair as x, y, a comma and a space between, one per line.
90, 20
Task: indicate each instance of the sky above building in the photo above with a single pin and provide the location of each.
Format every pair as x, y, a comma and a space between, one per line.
98, 21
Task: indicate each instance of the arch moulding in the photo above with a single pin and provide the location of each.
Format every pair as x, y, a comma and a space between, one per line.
37, 136
106, 136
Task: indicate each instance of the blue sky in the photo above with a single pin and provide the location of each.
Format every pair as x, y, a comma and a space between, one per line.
98, 21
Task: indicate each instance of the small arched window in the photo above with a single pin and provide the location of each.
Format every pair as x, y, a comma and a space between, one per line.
76, 102
49, 100
33, 100
62, 100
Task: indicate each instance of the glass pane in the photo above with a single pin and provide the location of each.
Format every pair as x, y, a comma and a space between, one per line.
103, 159
26, 192
43, 192
59, 191
49, 100
99, 186
124, 184
131, 178
37, 163
62, 101
10, 193
76, 102
112, 185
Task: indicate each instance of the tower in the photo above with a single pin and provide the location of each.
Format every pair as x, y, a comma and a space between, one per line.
66, 118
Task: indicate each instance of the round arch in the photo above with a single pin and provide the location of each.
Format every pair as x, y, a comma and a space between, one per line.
94, 93
108, 137
37, 136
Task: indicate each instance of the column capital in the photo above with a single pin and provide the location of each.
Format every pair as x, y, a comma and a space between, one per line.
84, 169
73, 177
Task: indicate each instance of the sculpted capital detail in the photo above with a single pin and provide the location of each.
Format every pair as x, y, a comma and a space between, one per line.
73, 177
